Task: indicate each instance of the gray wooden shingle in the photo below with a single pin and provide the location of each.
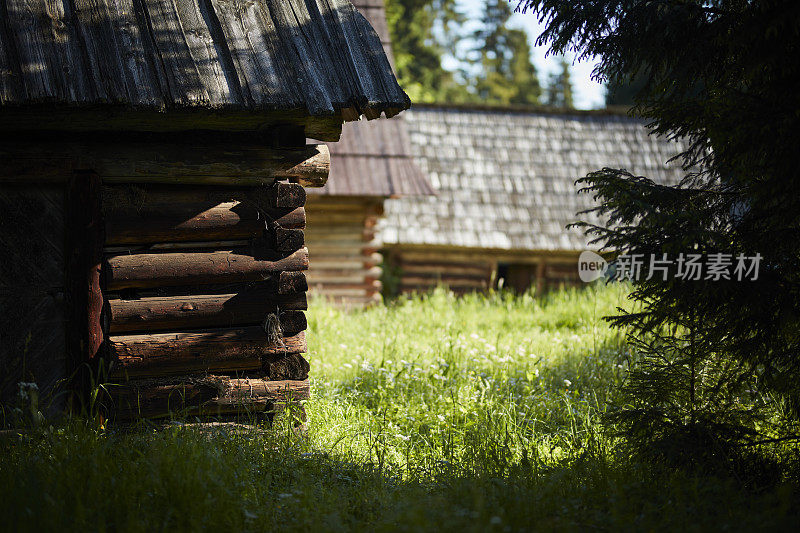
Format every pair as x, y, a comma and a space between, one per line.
505, 179
374, 158
319, 57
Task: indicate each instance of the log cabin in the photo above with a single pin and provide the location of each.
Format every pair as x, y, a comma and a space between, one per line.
505, 194
371, 162
152, 170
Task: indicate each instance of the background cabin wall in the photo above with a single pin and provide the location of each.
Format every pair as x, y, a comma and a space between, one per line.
341, 240
413, 269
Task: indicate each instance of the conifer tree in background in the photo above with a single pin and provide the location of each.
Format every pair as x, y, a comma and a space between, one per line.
418, 52
716, 374
505, 74
559, 90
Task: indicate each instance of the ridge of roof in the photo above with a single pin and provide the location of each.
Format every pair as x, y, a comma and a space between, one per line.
621, 111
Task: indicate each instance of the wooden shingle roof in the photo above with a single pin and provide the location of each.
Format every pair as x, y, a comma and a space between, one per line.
505, 179
374, 158
317, 58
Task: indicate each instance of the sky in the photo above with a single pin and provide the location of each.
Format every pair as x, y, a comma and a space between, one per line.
587, 94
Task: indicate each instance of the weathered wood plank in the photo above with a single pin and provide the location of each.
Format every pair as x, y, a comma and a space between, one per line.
225, 350
32, 233
283, 22
168, 162
434, 269
100, 47
450, 281
292, 300
145, 80
332, 275
87, 119
273, 201
31, 30
185, 84
206, 395
196, 222
176, 313
225, 221
345, 291
33, 345
316, 58
84, 299
195, 268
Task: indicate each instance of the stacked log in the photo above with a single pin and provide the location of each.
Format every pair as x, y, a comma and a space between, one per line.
343, 239
205, 292
422, 271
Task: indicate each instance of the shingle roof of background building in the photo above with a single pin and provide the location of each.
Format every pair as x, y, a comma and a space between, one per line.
505, 179
317, 56
374, 158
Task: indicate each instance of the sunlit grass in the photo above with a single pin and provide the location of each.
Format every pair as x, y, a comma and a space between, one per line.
438, 413
437, 377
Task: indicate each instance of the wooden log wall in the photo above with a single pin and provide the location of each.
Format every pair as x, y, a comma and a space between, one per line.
204, 280
462, 270
423, 270
341, 237
154, 262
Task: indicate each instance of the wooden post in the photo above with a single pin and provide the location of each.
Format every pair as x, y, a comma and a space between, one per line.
84, 248
540, 279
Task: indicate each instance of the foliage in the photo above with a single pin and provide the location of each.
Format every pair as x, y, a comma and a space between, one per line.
422, 31
506, 74
623, 92
470, 414
559, 89
719, 365
499, 70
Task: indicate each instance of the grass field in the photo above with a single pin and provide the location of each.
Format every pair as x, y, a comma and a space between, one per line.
444, 414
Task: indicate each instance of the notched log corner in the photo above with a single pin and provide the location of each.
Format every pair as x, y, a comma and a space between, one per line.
220, 350
286, 367
201, 395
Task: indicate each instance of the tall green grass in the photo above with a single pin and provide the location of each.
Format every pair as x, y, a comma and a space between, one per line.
478, 413
465, 384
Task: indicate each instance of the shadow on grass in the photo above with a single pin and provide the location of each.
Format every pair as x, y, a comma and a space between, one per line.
190, 479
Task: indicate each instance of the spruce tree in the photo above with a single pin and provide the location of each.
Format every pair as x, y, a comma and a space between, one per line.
502, 57
418, 49
559, 90
622, 92
718, 365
